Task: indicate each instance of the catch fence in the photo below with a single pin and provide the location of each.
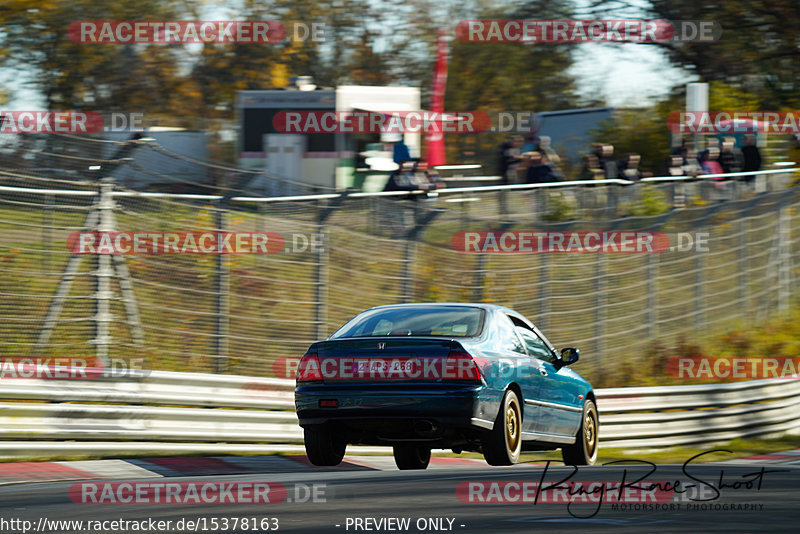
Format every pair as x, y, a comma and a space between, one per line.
246, 313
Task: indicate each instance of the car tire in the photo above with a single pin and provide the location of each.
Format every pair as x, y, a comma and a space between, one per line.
324, 446
411, 457
584, 451
502, 444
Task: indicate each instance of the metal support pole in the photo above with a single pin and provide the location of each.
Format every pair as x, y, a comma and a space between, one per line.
321, 276
784, 260
409, 255
600, 314
652, 296
544, 282
47, 231
477, 295
103, 275
743, 267
223, 304
699, 300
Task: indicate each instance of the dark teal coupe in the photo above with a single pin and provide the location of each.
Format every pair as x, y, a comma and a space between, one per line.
466, 377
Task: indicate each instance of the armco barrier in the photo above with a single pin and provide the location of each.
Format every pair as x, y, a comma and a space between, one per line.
200, 413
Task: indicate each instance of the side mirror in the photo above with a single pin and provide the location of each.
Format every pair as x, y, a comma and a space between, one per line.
569, 355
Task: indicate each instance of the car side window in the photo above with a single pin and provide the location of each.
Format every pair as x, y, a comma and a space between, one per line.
509, 340
536, 347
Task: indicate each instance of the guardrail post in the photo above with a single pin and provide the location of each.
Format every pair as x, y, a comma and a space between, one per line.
223, 303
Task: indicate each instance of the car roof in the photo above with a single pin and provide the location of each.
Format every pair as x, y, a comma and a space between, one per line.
482, 305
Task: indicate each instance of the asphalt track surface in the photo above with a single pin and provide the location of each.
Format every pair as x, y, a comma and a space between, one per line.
432, 494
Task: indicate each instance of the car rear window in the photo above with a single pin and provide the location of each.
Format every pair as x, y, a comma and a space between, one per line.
447, 321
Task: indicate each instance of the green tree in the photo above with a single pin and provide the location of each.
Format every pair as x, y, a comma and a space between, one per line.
758, 50
140, 77
492, 77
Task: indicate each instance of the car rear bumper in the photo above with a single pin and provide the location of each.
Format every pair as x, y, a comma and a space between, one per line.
452, 405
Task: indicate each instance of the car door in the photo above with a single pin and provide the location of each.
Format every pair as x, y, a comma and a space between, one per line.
557, 396
518, 367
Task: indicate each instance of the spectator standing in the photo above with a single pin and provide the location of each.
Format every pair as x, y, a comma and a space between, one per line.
539, 172
607, 162
550, 158
401, 152
751, 157
591, 168
681, 150
675, 165
709, 163
427, 176
531, 144
509, 160
405, 179
629, 168
691, 165
727, 158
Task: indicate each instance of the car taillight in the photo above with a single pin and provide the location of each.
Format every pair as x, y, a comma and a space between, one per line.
308, 369
462, 364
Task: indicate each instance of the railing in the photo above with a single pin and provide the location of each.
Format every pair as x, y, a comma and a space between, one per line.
194, 412
444, 192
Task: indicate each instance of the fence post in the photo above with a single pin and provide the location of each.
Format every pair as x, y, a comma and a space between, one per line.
652, 295
544, 279
103, 274
477, 279
409, 254
784, 260
321, 275
699, 300
600, 314
743, 268
47, 232
223, 303
422, 218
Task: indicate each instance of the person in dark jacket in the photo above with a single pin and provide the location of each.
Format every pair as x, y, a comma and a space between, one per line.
509, 160
539, 172
751, 156
405, 179
728, 159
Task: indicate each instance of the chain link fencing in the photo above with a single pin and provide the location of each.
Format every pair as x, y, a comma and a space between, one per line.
247, 313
